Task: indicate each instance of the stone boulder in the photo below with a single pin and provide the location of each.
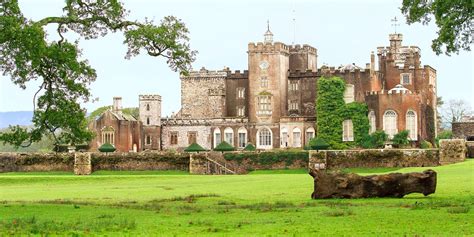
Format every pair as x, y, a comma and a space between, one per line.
342, 185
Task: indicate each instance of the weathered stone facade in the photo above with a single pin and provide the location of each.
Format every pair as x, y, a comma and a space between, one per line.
464, 129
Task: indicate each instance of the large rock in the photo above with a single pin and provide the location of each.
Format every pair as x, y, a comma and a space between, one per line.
342, 185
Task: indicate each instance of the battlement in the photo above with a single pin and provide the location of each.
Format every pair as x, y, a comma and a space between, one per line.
307, 73
207, 122
149, 97
237, 74
389, 93
204, 73
268, 47
302, 48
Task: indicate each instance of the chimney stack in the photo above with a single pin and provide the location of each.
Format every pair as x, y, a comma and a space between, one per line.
117, 107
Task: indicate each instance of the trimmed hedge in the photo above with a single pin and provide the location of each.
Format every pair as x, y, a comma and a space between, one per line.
194, 148
250, 147
224, 146
268, 158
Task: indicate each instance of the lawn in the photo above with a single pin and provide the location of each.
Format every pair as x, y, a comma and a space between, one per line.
263, 203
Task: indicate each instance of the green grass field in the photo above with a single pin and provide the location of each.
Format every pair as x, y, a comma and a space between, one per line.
271, 203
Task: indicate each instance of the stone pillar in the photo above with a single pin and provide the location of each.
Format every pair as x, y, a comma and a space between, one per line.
452, 151
470, 149
198, 163
82, 163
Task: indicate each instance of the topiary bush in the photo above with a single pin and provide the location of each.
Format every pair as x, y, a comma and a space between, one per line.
318, 144
194, 148
401, 139
375, 140
107, 147
250, 147
224, 146
426, 145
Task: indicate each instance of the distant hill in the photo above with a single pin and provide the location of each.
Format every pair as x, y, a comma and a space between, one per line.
15, 118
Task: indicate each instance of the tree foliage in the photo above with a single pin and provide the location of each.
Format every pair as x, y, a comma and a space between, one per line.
26, 55
454, 19
454, 111
400, 139
375, 140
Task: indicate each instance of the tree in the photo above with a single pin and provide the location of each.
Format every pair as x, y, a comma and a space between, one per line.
26, 55
454, 19
454, 111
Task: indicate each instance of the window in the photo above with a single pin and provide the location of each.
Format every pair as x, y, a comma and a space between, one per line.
264, 137
242, 137
293, 85
174, 138
192, 137
148, 121
349, 93
390, 123
284, 137
108, 135
240, 111
147, 107
347, 131
411, 125
293, 105
372, 121
240, 93
229, 136
405, 79
309, 134
148, 140
296, 137
264, 105
264, 82
217, 136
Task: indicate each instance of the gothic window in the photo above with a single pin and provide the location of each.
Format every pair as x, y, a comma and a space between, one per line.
240, 93
264, 82
264, 136
240, 111
217, 136
174, 138
349, 93
296, 137
293, 85
264, 104
372, 121
148, 121
229, 136
148, 140
411, 125
108, 135
284, 137
309, 134
147, 107
242, 137
347, 131
293, 105
192, 137
390, 123
405, 79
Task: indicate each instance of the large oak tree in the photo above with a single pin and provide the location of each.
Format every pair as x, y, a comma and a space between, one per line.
26, 55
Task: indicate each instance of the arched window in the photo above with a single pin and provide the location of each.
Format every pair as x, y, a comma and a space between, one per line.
148, 121
390, 123
229, 136
284, 137
242, 137
108, 135
411, 125
148, 140
147, 107
372, 121
296, 137
347, 131
309, 134
264, 136
217, 136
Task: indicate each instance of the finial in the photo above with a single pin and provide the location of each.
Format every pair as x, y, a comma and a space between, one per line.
268, 25
395, 23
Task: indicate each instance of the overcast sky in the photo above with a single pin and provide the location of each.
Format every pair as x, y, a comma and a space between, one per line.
343, 32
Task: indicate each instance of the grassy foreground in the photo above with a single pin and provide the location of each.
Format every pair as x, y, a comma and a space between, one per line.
265, 203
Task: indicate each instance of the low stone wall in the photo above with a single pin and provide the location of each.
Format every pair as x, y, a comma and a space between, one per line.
470, 149
28, 162
452, 151
243, 162
371, 158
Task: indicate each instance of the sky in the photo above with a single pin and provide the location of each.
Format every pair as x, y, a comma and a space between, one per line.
344, 32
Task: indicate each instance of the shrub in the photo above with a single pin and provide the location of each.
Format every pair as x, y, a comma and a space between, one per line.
400, 139
224, 146
318, 144
425, 145
375, 140
107, 147
250, 147
194, 148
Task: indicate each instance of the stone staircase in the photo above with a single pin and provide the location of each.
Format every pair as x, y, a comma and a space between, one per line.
214, 167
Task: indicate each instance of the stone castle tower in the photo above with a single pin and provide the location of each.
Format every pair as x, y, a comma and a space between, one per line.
150, 116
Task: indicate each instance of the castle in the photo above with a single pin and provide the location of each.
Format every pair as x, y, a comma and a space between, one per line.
272, 104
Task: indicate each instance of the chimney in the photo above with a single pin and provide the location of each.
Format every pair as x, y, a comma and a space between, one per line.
372, 62
117, 107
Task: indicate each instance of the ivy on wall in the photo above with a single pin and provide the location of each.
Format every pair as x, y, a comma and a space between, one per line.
331, 111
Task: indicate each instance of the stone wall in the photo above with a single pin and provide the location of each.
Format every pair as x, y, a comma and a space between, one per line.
452, 151
463, 130
29, 162
338, 159
470, 149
